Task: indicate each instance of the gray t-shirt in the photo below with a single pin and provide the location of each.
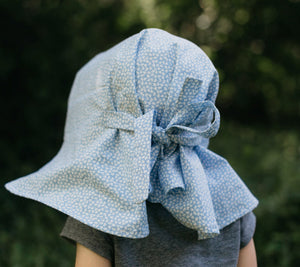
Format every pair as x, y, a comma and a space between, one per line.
169, 243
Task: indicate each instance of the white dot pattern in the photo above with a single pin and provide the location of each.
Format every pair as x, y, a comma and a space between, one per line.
138, 123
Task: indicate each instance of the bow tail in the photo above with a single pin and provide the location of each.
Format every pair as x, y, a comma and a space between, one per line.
232, 198
166, 176
193, 207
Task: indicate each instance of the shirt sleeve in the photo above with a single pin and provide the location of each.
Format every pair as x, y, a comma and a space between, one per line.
248, 224
99, 242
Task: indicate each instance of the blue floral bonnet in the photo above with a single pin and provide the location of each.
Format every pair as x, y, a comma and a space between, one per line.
138, 123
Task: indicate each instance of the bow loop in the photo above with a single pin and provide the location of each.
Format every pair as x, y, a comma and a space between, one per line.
187, 128
190, 125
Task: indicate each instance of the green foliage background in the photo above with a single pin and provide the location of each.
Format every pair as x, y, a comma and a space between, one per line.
254, 45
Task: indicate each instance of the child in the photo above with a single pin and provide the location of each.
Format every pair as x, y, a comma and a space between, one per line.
134, 173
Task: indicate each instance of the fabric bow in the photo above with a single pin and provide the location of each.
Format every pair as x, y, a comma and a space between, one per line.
188, 127
172, 168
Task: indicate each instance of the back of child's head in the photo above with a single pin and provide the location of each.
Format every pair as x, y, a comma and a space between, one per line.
138, 123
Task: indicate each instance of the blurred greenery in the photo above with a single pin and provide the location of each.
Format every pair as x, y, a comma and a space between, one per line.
255, 46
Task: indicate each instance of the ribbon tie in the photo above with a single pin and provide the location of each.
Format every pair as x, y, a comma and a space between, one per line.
175, 168
188, 127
